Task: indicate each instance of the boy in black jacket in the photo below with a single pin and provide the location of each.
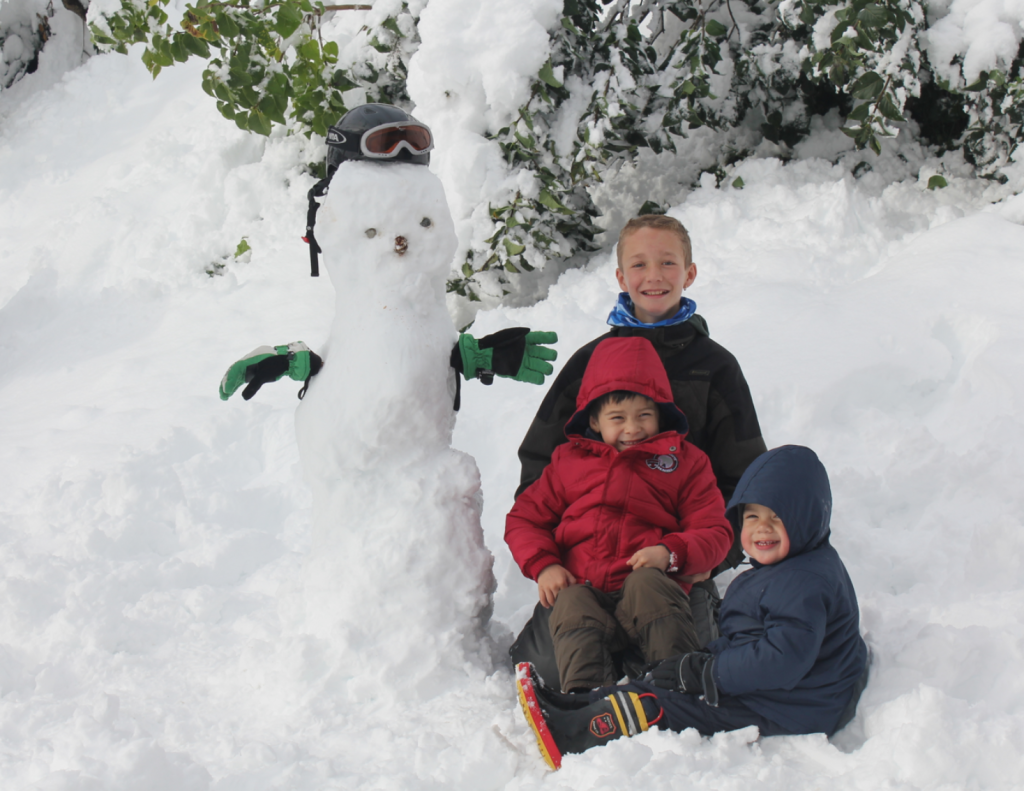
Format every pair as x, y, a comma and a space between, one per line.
655, 267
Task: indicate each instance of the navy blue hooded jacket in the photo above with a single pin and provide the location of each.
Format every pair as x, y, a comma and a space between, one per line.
791, 648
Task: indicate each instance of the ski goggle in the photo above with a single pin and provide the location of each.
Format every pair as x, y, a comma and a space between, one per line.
387, 140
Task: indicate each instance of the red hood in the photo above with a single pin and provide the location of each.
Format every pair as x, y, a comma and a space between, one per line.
626, 364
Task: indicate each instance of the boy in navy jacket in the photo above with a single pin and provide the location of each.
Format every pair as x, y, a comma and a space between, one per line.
790, 659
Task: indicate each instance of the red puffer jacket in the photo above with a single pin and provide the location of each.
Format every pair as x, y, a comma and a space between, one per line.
594, 507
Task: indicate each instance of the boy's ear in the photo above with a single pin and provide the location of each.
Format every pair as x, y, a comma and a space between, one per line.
621, 278
691, 275
594, 425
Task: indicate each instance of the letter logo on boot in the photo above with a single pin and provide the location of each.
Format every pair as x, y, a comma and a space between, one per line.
602, 726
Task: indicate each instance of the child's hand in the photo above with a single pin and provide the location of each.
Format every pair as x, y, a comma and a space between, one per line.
551, 581
656, 557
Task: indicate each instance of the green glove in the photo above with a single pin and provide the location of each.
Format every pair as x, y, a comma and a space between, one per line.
515, 353
268, 364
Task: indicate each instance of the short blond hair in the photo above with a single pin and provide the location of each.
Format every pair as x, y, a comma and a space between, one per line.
660, 222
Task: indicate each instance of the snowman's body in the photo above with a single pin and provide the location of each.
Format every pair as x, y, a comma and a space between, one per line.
399, 570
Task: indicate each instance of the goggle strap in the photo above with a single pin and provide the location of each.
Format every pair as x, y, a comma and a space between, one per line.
318, 190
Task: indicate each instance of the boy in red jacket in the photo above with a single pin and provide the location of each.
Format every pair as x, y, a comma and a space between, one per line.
624, 504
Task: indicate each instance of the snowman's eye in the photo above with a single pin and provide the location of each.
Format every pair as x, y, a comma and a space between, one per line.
426, 222
371, 232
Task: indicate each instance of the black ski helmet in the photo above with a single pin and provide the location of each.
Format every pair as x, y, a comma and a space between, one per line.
378, 133
374, 133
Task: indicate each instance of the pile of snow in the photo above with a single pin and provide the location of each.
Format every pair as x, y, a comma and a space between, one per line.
155, 542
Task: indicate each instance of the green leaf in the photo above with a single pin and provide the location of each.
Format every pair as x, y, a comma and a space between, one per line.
391, 24
331, 50
467, 270
873, 15
278, 85
258, 123
547, 74
310, 50
867, 86
937, 182
342, 82
838, 30
178, 50
715, 28
227, 27
875, 145
512, 247
249, 96
526, 142
738, 183
568, 25
273, 109
222, 92
288, 20
887, 108
196, 46
243, 247
859, 113
549, 200
510, 267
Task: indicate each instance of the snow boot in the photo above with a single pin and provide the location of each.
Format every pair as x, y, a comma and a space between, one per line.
571, 723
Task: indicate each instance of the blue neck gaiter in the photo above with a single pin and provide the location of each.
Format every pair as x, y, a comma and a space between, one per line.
622, 313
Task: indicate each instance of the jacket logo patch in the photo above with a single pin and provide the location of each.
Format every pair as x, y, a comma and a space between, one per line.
667, 462
602, 726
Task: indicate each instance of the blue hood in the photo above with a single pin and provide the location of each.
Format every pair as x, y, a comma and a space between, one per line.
793, 483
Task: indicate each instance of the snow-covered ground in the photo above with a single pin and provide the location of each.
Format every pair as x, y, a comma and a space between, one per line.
153, 539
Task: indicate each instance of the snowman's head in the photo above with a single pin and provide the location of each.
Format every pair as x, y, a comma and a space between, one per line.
384, 224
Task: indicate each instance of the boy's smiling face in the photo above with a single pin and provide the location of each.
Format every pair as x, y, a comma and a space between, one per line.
654, 271
627, 423
764, 537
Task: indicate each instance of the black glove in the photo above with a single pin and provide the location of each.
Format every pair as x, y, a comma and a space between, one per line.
268, 364
515, 353
690, 673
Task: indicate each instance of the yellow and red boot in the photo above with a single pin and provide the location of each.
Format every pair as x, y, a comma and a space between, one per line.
572, 723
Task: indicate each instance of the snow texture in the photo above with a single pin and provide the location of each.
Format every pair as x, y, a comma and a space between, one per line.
158, 547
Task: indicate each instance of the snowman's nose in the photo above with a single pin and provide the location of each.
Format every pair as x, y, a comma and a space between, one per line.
401, 245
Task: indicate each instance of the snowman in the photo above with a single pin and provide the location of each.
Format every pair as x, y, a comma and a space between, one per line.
398, 574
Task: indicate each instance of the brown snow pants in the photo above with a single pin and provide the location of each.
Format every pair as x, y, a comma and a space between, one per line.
588, 626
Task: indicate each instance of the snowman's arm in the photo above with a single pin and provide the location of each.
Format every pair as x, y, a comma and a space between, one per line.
268, 364
515, 353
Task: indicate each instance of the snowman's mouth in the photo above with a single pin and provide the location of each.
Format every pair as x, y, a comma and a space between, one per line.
401, 245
